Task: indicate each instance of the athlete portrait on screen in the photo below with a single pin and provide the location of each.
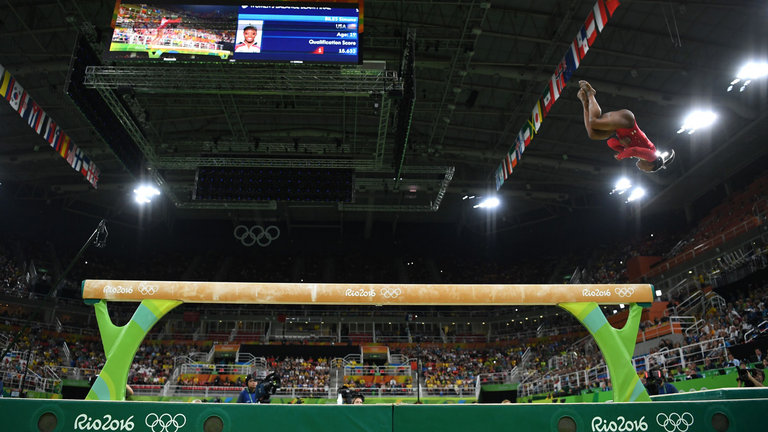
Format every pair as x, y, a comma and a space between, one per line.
249, 43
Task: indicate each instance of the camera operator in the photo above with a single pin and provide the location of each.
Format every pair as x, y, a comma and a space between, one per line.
249, 393
656, 383
259, 392
750, 377
348, 397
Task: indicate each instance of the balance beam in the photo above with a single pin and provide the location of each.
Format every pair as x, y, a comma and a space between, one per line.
159, 297
364, 294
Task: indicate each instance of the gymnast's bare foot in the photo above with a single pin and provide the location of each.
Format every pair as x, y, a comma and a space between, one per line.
582, 96
587, 88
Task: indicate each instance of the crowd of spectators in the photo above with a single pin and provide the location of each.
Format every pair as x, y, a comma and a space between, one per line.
12, 277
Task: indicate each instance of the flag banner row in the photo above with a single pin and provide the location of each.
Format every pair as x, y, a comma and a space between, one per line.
594, 24
20, 101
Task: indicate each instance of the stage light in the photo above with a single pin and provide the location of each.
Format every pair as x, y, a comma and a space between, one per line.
489, 203
622, 185
658, 293
144, 194
637, 193
697, 120
749, 72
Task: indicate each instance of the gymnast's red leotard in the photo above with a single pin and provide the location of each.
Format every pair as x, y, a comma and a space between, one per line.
639, 146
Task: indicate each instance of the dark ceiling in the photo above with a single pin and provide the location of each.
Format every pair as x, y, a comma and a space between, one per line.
479, 68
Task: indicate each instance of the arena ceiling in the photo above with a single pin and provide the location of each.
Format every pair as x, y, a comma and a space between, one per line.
480, 67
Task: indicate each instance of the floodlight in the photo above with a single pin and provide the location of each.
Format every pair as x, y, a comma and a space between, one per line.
697, 120
489, 203
144, 194
622, 185
749, 72
636, 194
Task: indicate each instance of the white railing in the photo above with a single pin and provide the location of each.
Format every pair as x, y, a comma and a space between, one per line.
203, 368
352, 358
75, 372
193, 357
691, 303
228, 391
694, 328
678, 358
498, 377
400, 359
757, 331
376, 370
26, 379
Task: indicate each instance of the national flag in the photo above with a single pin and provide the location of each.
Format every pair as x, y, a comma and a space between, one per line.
572, 58
512, 158
591, 28
92, 175
54, 136
499, 182
566, 72
547, 101
5, 84
84, 165
64, 146
24, 105
582, 44
611, 5
71, 154
601, 15
560, 77
14, 95
536, 116
78, 159
50, 130
2, 70
507, 166
36, 117
525, 134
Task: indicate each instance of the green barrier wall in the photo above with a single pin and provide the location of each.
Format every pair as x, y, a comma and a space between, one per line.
721, 415
712, 380
31, 415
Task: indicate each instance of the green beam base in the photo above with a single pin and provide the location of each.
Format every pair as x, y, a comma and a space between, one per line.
121, 344
617, 346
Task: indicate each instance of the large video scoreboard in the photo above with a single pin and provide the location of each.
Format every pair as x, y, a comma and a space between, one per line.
267, 31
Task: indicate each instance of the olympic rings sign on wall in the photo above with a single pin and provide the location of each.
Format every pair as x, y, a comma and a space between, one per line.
256, 235
165, 422
674, 422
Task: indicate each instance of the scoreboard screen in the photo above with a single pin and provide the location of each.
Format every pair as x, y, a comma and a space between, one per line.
265, 31
298, 33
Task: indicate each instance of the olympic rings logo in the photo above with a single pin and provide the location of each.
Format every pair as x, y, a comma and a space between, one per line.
624, 291
390, 293
256, 235
165, 422
675, 422
147, 290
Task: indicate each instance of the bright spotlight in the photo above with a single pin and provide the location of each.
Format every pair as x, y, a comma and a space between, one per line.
637, 193
144, 194
697, 120
747, 73
490, 202
658, 293
621, 186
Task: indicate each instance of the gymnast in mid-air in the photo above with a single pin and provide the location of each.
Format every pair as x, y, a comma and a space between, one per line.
629, 140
